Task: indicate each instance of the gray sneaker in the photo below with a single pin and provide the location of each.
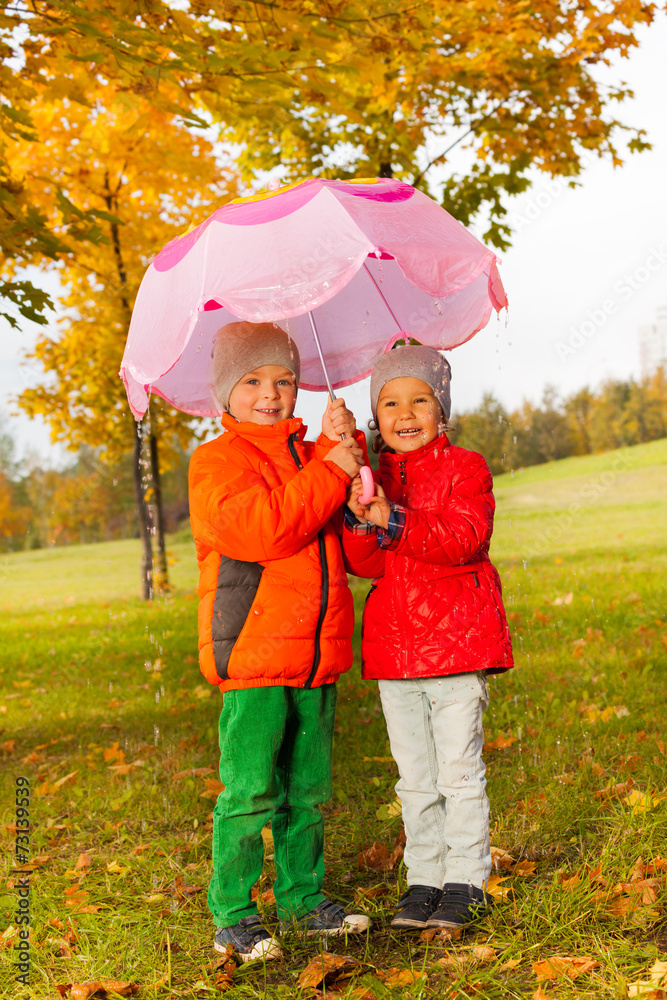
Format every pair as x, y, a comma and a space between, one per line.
328, 919
249, 939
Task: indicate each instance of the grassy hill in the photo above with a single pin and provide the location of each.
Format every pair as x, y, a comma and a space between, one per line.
103, 709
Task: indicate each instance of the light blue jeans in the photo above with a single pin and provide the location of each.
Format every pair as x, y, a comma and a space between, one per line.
436, 736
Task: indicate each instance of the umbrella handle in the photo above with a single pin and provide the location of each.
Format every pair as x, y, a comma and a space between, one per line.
368, 484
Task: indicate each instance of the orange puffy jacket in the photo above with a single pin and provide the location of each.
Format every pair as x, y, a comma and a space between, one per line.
275, 606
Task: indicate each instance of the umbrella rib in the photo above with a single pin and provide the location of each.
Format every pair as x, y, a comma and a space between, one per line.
372, 277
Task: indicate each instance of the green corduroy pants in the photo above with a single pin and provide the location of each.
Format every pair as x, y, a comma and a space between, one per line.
275, 764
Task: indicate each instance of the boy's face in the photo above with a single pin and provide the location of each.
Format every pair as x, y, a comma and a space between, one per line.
264, 395
408, 414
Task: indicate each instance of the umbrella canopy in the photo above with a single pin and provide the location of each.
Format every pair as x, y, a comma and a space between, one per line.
361, 260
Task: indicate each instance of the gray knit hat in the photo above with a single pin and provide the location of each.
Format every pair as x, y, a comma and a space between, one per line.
416, 361
239, 348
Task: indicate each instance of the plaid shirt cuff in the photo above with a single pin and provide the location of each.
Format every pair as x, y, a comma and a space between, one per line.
356, 527
389, 537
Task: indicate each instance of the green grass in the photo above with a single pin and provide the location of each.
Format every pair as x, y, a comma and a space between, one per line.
93, 680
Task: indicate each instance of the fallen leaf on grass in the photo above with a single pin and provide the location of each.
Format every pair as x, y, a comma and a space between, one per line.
267, 898
101, 988
115, 869
495, 889
594, 714
500, 859
83, 861
563, 965
615, 791
640, 802
525, 868
565, 599
140, 848
50, 788
636, 900
539, 994
440, 935
183, 891
114, 754
510, 964
390, 810
655, 988
534, 805
500, 743
400, 977
193, 772
328, 968
363, 896
8, 935
377, 856
476, 954
213, 788
8, 746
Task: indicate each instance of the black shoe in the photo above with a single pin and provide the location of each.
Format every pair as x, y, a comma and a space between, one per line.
460, 905
416, 906
249, 939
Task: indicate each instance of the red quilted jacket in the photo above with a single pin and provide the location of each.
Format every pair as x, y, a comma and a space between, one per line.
435, 606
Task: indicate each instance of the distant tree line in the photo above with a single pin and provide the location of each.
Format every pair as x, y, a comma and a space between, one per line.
618, 414
88, 501
93, 501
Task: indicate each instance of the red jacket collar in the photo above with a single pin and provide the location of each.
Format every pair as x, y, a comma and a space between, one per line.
390, 460
265, 432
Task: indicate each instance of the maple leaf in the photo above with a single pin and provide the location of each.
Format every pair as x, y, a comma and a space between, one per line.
394, 977
193, 772
615, 791
496, 889
328, 968
563, 965
539, 994
500, 743
213, 788
377, 856
440, 935
101, 988
500, 859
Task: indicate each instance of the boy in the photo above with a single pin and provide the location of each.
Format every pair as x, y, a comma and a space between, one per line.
275, 627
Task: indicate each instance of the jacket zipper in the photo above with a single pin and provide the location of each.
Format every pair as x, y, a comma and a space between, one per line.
401, 466
325, 577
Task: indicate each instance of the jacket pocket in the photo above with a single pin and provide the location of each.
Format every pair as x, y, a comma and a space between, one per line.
234, 596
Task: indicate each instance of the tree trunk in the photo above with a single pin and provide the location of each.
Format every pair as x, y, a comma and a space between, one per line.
386, 170
162, 572
143, 517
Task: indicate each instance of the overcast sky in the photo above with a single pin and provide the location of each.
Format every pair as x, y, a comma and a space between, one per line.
586, 269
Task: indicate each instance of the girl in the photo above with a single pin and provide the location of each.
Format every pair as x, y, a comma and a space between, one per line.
434, 626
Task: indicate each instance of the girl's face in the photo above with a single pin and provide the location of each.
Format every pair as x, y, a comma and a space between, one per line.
408, 414
264, 396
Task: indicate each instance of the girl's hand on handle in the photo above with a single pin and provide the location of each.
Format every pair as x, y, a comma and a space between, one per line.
379, 509
338, 420
353, 493
348, 456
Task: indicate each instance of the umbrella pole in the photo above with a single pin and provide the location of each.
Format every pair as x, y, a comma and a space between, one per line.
319, 351
368, 490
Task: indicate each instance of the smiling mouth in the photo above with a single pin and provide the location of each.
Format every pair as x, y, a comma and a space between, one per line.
409, 432
270, 412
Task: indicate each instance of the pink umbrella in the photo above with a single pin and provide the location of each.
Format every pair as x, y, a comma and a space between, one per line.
343, 266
